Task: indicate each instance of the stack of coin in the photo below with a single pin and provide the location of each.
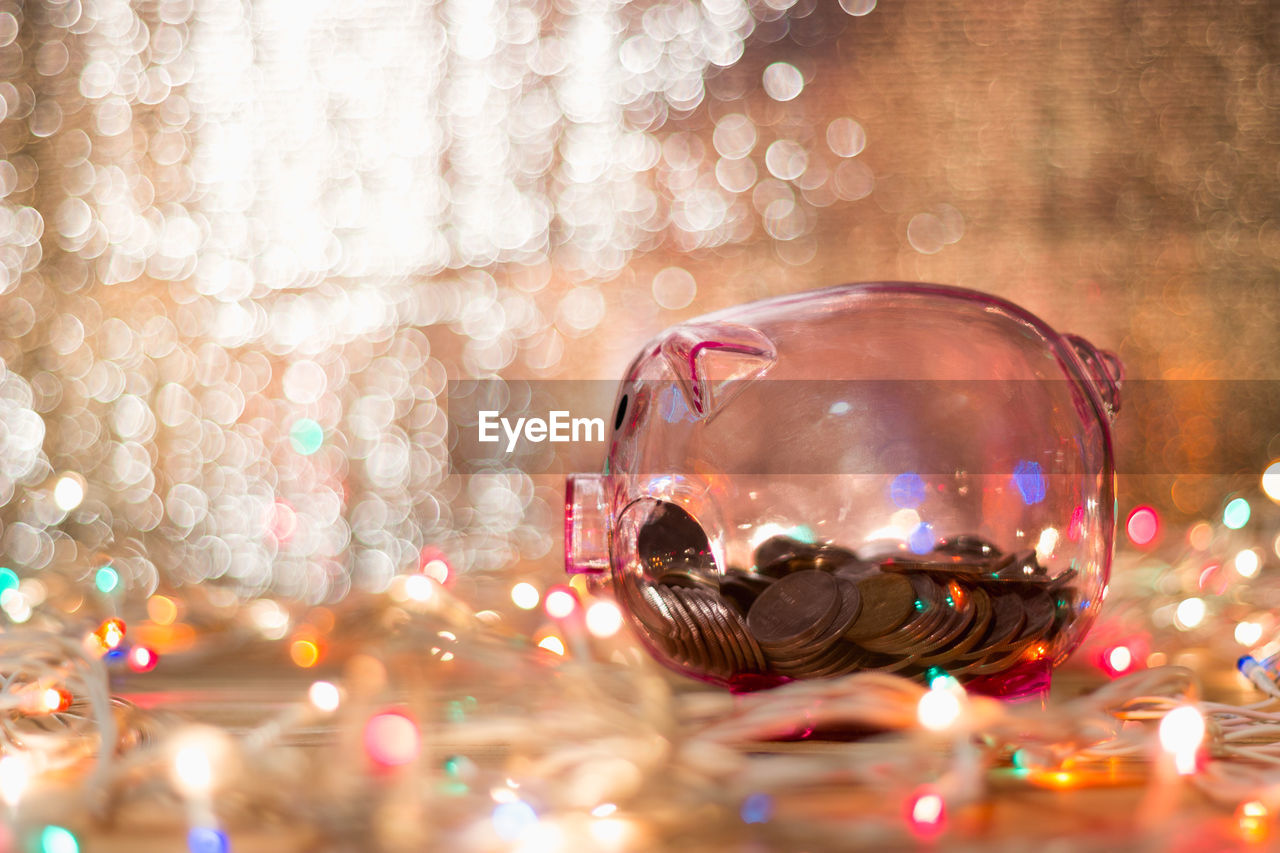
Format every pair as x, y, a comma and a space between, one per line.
814, 611
693, 626
801, 621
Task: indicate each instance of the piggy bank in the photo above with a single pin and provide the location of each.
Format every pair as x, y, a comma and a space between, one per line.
893, 477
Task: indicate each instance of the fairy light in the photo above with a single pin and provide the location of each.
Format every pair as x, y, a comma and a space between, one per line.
1236, 514
1142, 525
52, 700
58, 839
926, 813
1119, 659
553, 644
207, 839
162, 610
325, 696
68, 492
1246, 563
142, 659
513, 820
1189, 613
525, 596
304, 652
1181, 732
560, 603
419, 588
1271, 481
392, 739
192, 769
106, 579
604, 619
437, 570
15, 775
611, 833
111, 633
940, 707
1248, 633
1253, 820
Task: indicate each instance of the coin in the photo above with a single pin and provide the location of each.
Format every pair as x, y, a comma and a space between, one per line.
715, 634
1008, 617
967, 545
941, 564
926, 617
736, 631
741, 588
815, 650
773, 556
690, 578
980, 604
1040, 610
961, 611
794, 611
816, 611
888, 601
1020, 565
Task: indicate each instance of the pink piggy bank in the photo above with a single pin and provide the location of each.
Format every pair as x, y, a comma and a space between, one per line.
906, 478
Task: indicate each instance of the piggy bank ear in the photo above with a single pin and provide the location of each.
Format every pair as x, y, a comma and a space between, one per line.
712, 361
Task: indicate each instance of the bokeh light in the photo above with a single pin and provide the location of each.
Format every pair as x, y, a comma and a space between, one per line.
1142, 525
392, 739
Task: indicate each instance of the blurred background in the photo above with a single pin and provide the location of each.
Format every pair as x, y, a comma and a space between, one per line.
244, 246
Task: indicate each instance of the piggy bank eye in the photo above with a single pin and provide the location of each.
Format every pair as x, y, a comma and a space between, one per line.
672, 547
622, 411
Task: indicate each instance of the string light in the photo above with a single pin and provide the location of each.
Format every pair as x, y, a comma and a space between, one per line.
1246, 563
203, 839
68, 492
1247, 633
1181, 732
1236, 514
15, 774
940, 707
525, 595
192, 769
58, 839
304, 652
324, 696
513, 820
552, 644
392, 739
1253, 819
162, 610
926, 813
419, 588
1190, 613
560, 602
110, 633
604, 619
1143, 525
1271, 481
142, 659
1119, 659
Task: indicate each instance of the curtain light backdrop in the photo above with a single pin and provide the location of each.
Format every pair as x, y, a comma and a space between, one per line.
244, 246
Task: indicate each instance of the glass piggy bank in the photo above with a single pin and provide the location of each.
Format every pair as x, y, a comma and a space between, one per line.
891, 477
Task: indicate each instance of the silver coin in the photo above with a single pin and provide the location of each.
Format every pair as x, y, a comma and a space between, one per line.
715, 629
709, 654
